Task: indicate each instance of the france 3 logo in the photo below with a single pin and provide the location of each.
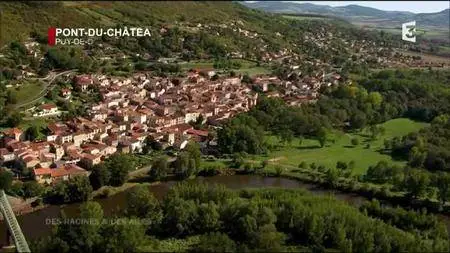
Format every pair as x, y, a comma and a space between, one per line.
409, 31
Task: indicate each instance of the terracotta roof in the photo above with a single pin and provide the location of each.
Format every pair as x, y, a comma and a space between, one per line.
69, 169
42, 171
197, 132
59, 172
48, 106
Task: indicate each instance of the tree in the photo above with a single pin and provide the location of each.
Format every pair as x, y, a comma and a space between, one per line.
181, 166
332, 177
83, 236
248, 167
246, 227
76, 189
119, 165
126, 235
238, 160
358, 120
387, 144
6, 178
322, 136
416, 157
300, 140
32, 189
194, 153
215, 242
303, 165
79, 189
33, 132
355, 141
142, 204
416, 183
375, 98
268, 239
89, 231
99, 176
16, 189
443, 185
278, 170
14, 119
374, 132
151, 143
209, 218
159, 168
264, 164
286, 136
341, 167
351, 165
180, 217
246, 79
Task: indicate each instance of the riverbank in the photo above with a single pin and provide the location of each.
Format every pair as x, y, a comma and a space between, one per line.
37, 226
108, 191
21, 206
366, 190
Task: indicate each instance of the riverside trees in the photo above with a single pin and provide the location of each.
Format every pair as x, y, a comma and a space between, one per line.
260, 220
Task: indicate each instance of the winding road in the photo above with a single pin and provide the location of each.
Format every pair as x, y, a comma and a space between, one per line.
49, 79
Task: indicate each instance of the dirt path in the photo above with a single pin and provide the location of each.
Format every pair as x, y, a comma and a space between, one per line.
21, 206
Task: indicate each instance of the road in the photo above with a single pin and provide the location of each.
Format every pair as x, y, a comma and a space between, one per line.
48, 86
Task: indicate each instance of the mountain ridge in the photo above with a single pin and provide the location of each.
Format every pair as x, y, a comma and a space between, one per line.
355, 13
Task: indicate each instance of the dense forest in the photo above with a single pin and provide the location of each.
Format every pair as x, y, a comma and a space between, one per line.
246, 220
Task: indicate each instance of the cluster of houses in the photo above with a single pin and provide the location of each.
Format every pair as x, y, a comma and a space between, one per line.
304, 90
131, 110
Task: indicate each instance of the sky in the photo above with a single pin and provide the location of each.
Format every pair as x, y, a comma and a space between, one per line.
412, 6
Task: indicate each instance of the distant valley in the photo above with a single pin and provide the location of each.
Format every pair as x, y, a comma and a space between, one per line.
431, 25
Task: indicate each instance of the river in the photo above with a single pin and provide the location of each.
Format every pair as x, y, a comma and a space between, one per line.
35, 224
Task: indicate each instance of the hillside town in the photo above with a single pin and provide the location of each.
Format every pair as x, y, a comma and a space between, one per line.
142, 106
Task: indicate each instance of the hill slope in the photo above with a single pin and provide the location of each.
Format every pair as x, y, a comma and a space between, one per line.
19, 19
356, 13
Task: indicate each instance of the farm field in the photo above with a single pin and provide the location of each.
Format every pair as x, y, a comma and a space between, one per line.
341, 150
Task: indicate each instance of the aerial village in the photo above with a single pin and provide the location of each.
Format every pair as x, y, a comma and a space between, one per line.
132, 109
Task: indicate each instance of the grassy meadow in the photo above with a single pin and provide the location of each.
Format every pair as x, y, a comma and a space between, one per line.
309, 151
27, 91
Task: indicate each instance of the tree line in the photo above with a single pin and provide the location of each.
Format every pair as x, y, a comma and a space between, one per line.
246, 220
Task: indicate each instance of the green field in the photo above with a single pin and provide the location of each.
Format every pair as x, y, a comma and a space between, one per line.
342, 150
27, 91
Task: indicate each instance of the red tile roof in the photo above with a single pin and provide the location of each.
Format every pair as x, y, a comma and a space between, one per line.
48, 106
42, 171
198, 132
69, 169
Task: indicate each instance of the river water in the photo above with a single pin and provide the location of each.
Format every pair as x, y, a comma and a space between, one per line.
36, 224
